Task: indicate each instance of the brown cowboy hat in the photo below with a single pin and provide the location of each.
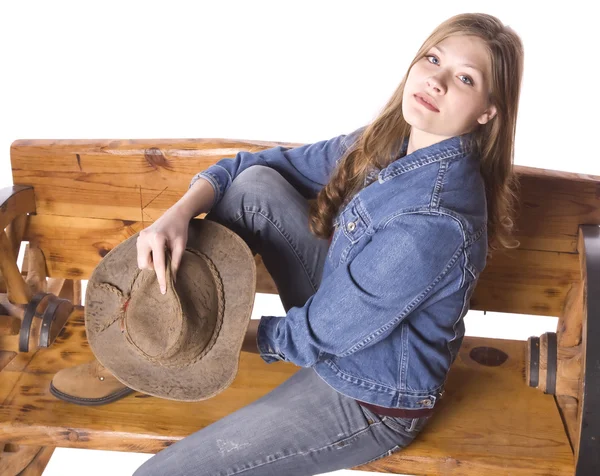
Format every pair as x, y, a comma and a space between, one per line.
185, 344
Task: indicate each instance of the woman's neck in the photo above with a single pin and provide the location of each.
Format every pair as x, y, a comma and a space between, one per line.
419, 139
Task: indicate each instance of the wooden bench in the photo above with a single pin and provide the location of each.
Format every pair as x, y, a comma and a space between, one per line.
74, 200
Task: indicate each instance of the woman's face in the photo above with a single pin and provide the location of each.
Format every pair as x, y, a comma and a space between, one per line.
458, 92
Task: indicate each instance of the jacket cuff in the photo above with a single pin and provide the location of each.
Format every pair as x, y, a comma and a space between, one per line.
267, 328
212, 179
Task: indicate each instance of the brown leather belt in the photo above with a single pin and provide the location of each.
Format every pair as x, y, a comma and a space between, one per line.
397, 412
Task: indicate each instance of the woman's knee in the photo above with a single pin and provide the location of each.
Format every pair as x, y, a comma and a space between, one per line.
257, 172
258, 178
257, 187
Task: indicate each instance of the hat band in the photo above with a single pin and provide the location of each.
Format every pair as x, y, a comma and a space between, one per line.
183, 352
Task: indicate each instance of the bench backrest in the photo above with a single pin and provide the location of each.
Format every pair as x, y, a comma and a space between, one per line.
92, 194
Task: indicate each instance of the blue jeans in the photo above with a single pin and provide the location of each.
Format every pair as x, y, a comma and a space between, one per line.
303, 426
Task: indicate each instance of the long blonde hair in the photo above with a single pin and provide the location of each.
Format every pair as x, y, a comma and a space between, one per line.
379, 142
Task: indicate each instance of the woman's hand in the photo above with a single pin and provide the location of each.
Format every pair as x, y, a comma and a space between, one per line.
169, 231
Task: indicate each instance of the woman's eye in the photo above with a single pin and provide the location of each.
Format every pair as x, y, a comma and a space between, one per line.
431, 56
470, 83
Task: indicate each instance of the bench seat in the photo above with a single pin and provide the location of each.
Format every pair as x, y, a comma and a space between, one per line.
489, 421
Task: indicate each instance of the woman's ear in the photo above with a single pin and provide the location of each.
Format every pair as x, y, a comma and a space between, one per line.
488, 115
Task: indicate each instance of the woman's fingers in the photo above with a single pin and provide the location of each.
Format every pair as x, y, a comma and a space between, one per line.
168, 231
158, 258
151, 254
144, 257
176, 254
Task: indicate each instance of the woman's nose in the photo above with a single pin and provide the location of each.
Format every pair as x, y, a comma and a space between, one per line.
436, 84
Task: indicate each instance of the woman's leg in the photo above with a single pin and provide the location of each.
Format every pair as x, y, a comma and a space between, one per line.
272, 218
303, 426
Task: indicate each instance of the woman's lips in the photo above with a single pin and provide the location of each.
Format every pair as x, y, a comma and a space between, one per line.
426, 104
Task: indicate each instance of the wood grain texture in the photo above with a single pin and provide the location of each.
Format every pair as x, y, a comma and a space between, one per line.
17, 458
21, 460
38, 464
488, 421
551, 205
142, 178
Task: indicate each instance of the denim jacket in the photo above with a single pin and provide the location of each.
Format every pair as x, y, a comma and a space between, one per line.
386, 323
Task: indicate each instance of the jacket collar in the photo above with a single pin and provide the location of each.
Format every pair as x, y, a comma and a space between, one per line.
446, 149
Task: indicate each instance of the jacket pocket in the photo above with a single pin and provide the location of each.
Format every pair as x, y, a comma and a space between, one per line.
350, 228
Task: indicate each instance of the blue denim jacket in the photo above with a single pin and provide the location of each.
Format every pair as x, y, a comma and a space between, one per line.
386, 323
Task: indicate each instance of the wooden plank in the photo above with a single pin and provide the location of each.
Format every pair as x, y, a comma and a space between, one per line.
488, 422
551, 205
80, 175
526, 282
143, 178
38, 464
73, 247
16, 459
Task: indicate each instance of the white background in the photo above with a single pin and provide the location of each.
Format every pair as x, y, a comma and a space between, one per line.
282, 71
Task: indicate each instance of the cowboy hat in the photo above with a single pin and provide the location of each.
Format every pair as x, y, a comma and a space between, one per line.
183, 345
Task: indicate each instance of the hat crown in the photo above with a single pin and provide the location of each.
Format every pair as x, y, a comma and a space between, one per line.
178, 327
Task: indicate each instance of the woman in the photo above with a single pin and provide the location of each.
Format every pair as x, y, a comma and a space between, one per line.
376, 274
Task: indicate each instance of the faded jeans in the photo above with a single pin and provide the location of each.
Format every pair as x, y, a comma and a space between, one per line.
303, 426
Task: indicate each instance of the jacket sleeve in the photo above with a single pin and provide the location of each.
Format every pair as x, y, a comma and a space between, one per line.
307, 167
363, 301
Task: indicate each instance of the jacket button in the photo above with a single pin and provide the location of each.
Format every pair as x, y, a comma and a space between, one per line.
351, 226
427, 401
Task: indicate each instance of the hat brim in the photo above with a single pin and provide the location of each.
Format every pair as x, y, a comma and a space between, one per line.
216, 370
